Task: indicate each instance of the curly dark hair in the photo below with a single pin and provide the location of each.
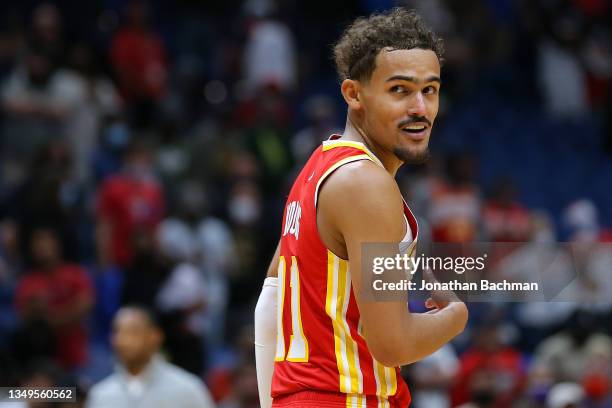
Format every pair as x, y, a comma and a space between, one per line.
355, 53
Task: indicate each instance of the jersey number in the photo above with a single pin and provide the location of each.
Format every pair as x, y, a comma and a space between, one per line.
298, 345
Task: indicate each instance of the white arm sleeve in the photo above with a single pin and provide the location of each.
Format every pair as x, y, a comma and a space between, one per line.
265, 339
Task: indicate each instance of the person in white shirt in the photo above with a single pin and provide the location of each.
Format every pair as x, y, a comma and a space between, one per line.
142, 378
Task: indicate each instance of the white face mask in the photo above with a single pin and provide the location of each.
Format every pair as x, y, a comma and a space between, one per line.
244, 210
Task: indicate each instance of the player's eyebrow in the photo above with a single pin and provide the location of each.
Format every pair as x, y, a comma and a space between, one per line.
433, 78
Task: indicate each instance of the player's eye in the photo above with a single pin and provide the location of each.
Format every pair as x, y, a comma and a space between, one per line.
397, 89
430, 90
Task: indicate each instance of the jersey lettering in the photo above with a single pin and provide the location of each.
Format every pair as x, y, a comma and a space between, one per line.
292, 219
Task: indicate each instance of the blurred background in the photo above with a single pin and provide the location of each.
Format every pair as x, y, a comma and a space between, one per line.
146, 149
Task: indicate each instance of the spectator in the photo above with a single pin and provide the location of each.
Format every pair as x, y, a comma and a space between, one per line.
37, 99
268, 139
558, 63
544, 261
32, 340
504, 218
245, 209
565, 395
40, 374
113, 141
11, 262
13, 41
206, 241
455, 202
432, 377
50, 196
58, 293
590, 256
99, 101
147, 271
490, 373
47, 32
539, 382
129, 203
10, 267
321, 114
581, 221
576, 350
269, 54
172, 157
244, 390
138, 56
142, 378
596, 53
182, 299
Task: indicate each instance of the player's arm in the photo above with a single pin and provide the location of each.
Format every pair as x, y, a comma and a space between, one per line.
273, 267
265, 332
361, 203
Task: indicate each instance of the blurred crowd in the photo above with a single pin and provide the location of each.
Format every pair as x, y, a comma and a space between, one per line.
146, 150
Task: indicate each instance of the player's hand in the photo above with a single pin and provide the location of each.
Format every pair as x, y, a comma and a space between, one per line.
439, 298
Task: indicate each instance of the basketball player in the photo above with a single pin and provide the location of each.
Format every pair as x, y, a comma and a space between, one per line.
330, 347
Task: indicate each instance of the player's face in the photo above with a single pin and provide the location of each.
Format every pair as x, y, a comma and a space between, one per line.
400, 102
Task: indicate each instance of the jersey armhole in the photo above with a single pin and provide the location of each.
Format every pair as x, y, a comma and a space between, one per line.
322, 180
333, 168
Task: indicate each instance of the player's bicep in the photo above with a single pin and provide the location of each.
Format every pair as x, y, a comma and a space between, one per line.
363, 204
378, 331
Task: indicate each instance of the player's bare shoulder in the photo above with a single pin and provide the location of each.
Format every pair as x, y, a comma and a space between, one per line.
360, 199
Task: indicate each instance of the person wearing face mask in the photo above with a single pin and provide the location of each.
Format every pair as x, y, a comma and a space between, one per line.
129, 203
245, 214
205, 241
245, 205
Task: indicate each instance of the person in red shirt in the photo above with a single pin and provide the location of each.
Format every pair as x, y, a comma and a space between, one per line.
491, 374
58, 292
138, 57
454, 209
504, 218
129, 203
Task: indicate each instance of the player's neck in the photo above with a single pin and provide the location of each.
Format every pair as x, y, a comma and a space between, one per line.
353, 131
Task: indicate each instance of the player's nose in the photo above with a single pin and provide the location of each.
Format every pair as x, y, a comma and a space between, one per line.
417, 105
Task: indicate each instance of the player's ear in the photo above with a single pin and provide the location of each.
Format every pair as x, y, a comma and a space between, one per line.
350, 92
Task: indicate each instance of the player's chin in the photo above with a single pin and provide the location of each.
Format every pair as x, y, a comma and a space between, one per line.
413, 154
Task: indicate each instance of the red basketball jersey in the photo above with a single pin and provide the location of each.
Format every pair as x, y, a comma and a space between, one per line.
319, 343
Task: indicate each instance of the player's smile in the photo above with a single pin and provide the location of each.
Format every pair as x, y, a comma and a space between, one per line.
416, 129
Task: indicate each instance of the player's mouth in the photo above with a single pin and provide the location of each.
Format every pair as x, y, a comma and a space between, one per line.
416, 130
